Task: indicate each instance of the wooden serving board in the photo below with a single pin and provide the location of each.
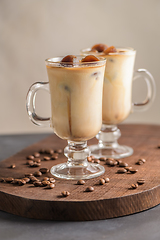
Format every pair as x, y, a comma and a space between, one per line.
110, 200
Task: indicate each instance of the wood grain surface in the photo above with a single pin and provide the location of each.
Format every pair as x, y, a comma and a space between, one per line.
112, 199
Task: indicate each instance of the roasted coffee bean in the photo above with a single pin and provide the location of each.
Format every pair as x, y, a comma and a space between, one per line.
90, 58
35, 164
128, 168
13, 166
52, 180
141, 161
45, 179
45, 183
49, 151
99, 47
65, 193
42, 150
122, 170
28, 174
46, 158
106, 180
123, 164
81, 182
141, 181
37, 160
29, 162
2, 180
30, 157
37, 183
51, 186
101, 181
21, 182
54, 156
119, 161
133, 170
44, 170
113, 163
111, 49
58, 151
33, 178
27, 179
102, 158
97, 161
89, 159
109, 161
9, 179
90, 189
134, 186
15, 181
36, 154
37, 174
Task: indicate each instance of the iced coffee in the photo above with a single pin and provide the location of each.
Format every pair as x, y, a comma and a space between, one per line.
76, 96
117, 87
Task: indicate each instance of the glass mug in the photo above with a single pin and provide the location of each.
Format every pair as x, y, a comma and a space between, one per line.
76, 94
117, 100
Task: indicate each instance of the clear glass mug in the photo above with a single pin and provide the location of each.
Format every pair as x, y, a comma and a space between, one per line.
76, 95
117, 100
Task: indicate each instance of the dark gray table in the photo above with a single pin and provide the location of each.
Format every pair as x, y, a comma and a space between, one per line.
141, 226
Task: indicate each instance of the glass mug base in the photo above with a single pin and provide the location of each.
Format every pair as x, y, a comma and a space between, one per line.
64, 171
120, 151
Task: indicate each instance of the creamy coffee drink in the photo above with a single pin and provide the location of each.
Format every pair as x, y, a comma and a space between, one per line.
117, 88
76, 97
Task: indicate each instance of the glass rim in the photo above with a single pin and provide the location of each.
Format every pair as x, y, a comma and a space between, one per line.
126, 51
56, 60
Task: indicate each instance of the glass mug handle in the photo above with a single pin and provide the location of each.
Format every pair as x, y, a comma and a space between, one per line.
30, 104
151, 90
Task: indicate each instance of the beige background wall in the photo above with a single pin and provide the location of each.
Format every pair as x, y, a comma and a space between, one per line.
33, 30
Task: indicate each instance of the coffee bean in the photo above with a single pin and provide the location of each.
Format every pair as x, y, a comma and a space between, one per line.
44, 170
37, 160
109, 161
21, 182
133, 170
49, 151
50, 186
119, 161
29, 162
141, 161
46, 158
101, 181
42, 150
28, 174
92, 156
58, 151
128, 168
97, 161
81, 182
90, 189
36, 154
141, 181
45, 179
9, 179
122, 170
89, 159
134, 186
27, 179
13, 166
45, 183
2, 180
35, 164
106, 180
54, 156
33, 178
52, 180
113, 163
102, 158
37, 183
15, 181
37, 174
30, 157
65, 193
123, 164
